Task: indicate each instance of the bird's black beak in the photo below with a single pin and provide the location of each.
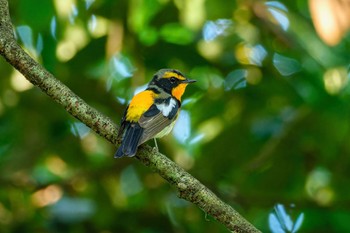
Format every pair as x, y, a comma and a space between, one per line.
189, 81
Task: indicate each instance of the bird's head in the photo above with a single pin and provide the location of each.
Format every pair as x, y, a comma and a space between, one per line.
171, 81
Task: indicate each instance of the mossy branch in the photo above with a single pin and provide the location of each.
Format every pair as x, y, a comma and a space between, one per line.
188, 187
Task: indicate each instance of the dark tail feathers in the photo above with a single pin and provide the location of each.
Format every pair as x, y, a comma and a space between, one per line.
130, 142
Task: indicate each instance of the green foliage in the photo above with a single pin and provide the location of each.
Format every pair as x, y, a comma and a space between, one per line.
266, 123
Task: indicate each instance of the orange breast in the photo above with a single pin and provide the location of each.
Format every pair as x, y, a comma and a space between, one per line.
139, 104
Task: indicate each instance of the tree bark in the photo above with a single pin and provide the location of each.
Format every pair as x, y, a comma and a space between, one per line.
187, 186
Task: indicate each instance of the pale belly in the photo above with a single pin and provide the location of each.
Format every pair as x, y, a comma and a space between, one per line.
166, 130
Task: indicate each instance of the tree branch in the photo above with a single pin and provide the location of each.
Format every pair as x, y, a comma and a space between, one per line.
188, 187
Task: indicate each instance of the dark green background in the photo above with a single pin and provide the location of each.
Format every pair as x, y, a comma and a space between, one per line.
268, 117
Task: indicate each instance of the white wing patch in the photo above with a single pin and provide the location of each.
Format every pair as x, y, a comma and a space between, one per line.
166, 108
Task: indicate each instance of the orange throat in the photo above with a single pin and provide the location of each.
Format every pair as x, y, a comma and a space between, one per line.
178, 91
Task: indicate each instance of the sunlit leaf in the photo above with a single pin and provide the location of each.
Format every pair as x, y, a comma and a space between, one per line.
26, 36
79, 129
73, 14
182, 128
121, 67
213, 29
298, 223
257, 55
39, 44
197, 138
236, 80
109, 82
277, 5
92, 23
281, 222
121, 100
335, 79
274, 224
278, 11
53, 27
88, 3
285, 65
318, 186
283, 217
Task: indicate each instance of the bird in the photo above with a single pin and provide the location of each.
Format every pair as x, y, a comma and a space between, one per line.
153, 112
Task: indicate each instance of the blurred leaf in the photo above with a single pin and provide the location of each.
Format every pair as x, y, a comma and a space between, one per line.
278, 11
149, 36
298, 223
182, 128
281, 222
29, 13
73, 210
286, 66
130, 182
236, 80
176, 33
213, 29
142, 12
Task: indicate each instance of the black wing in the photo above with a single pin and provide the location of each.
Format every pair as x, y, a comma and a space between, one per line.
123, 123
131, 139
130, 134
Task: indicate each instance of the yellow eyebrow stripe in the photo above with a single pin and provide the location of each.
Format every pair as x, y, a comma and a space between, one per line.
170, 74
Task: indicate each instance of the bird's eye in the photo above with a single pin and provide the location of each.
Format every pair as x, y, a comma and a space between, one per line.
172, 79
